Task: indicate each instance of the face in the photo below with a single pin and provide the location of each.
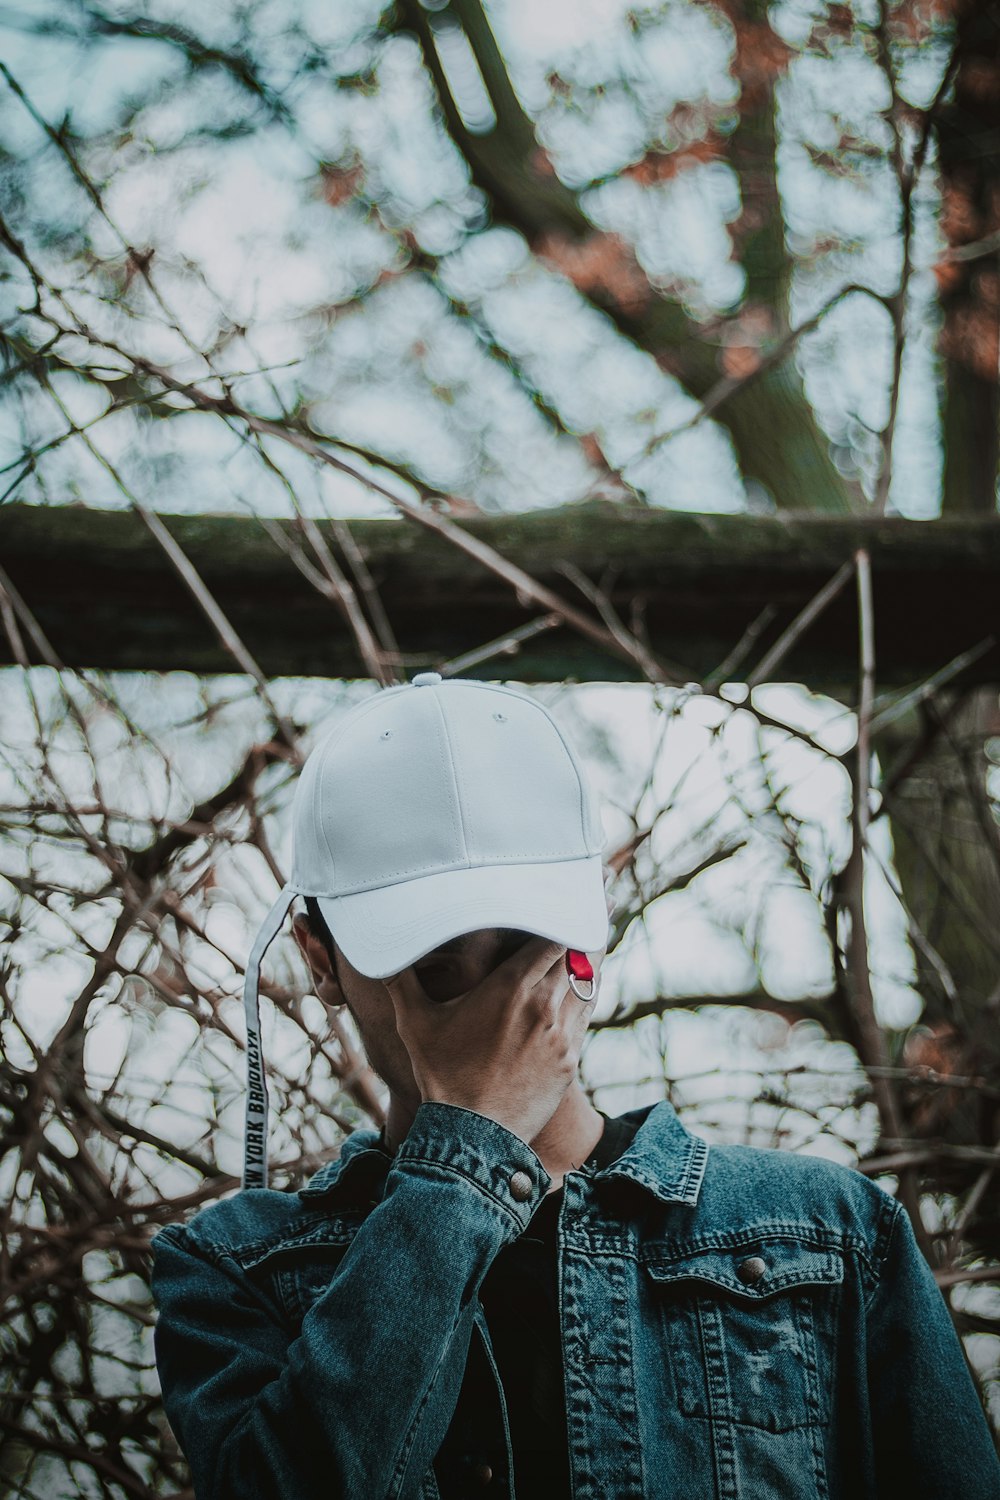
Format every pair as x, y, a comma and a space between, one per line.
447, 971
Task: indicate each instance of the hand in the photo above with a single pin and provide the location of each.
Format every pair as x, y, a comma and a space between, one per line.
508, 1049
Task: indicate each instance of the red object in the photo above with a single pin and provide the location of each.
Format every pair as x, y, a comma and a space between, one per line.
578, 964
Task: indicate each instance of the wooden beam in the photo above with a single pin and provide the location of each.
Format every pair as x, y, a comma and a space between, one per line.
104, 594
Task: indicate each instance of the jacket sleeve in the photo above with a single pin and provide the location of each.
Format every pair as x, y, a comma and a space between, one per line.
360, 1401
929, 1432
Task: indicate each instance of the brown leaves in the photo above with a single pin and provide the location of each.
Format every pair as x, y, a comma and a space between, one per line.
454, 505
960, 219
969, 288
840, 20
912, 21
934, 1047
761, 56
338, 184
948, 275
541, 163
593, 452
981, 80
971, 334
660, 166
739, 360
602, 266
743, 338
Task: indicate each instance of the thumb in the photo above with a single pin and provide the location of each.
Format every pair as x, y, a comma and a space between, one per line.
404, 988
405, 991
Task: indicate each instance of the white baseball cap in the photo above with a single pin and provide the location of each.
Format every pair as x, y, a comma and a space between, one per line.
432, 809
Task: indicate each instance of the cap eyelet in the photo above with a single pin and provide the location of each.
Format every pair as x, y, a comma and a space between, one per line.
385, 734
500, 718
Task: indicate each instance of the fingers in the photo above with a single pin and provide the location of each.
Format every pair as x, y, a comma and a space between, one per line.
532, 961
404, 987
528, 972
575, 1015
541, 976
580, 1004
546, 996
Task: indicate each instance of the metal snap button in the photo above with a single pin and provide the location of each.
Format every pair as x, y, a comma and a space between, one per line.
520, 1186
482, 1473
751, 1270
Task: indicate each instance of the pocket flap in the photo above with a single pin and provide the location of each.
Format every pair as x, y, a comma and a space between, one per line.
331, 1235
750, 1270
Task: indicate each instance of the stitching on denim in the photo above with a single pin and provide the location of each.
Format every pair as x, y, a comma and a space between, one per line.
399, 1473
452, 1171
894, 1210
521, 1155
193, 1240
817, 1397
696, 1150
839, 1242
180, 1236
776, 1231
698, 1160
338, 1241
775, 1285
429, 1487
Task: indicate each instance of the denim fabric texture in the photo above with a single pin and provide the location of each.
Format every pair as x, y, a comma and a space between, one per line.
735, 1323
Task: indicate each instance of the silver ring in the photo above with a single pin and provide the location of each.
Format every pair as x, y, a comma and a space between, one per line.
574, 981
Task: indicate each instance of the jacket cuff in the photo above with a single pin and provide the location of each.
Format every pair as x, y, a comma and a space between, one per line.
473, 1146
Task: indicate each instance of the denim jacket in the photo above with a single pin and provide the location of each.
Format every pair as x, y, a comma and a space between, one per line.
735, 1323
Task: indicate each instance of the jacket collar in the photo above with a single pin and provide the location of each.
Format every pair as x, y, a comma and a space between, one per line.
362, 1164
663, 1158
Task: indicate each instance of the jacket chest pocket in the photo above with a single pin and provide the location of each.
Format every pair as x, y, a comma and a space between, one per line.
299, 1270
304, 1278
750, 1333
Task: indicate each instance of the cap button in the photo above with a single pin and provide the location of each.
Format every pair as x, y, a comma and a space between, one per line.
426, 679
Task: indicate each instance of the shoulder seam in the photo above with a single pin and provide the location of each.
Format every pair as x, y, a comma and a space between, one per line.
885, 1231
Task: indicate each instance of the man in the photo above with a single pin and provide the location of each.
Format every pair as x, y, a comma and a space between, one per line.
504, 1292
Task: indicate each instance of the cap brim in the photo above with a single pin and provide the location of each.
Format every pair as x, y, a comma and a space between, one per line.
385, 930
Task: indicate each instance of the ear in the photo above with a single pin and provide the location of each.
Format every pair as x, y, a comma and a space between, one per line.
314, 952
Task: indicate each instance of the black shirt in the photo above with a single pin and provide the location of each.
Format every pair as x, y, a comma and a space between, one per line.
520, 1297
